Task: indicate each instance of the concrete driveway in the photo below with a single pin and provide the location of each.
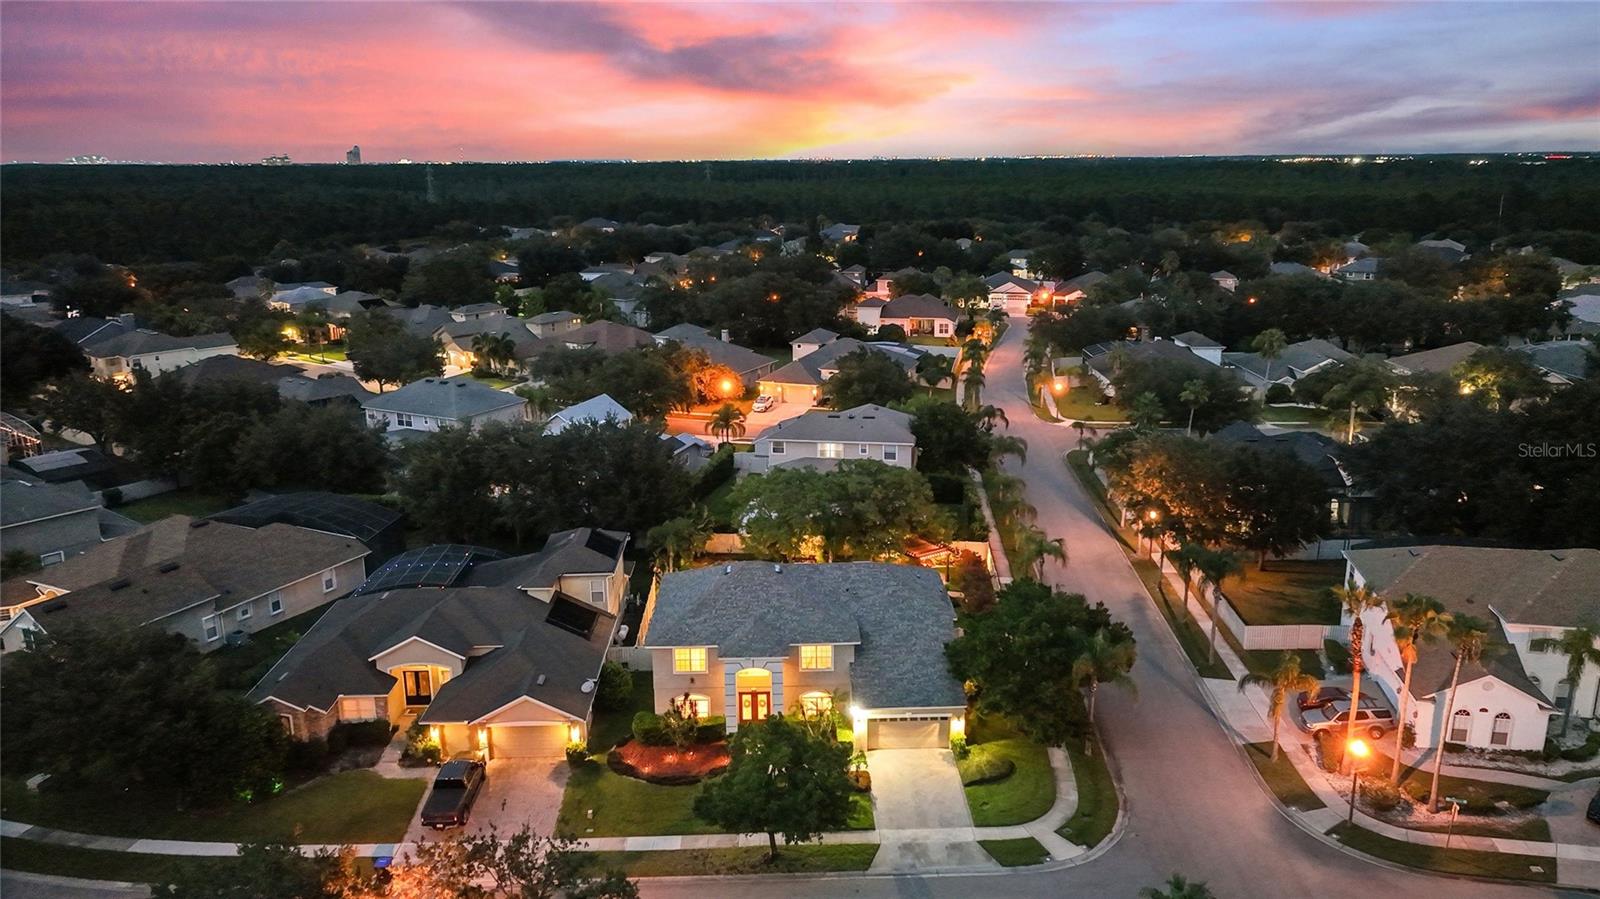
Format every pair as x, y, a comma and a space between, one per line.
917, 789
519, 792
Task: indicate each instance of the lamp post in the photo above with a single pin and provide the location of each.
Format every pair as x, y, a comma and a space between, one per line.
1152, 516
1357, 751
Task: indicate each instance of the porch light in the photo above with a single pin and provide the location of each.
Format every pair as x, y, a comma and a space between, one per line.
958, 726
433, 734
574, 733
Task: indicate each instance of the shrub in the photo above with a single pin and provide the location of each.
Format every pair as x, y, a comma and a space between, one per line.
716, 473
111, 497
647, 729
421, 748
958, 747
615, 690
712, 728
1330, 751
577, 754
1408, 737
363, 734
1279, 393
1551, 751
1588, 750
337, 741
679, 724
1380, 794
984, 767
306, 756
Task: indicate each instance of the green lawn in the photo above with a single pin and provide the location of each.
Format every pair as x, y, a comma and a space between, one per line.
609, 728
1281, 776
348, 807
178, 502
744, 860
491, 381
313, 354
240, 667
1532, 829
1265, 661
1291, 414
96, 864
1288, 592
1079, 404
1452, 861
625, 806
1015, 853
1027, 793
1480, 797
1097, 797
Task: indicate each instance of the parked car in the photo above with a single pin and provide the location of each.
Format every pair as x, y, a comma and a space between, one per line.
455, 788
1322, 697
1594, 808
763, 403
1374, 720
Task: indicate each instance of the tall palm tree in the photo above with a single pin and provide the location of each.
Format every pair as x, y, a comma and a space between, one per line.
1216, 566
1355, 601
1285, 680
1417, 619
1187, 560
1195, 394
1103, 660
726, 423
679, 539
1467, 635
1269, 345
934, 369
1578, 645
541, 402
493, 350
1006, 445
972, 386
1177, 887
988, 415
1034, 546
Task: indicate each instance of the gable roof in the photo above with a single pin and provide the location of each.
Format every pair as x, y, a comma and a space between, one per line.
816, 335
1296, 357
898, 616
1548, 588
25, 499
606, 336
424, 320
1318, 451
1571, 359
595, 409
1435, 361
721, 352
808, 369
1082, 282
556, 317
232, 368
577, 551
918, 305
452, 399
1099, 356
1002, 280
141, 342
87, 329
868, 423
1196, 340
1292, 268
322, 388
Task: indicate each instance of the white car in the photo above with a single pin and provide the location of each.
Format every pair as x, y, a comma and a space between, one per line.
1372, 719
763, 403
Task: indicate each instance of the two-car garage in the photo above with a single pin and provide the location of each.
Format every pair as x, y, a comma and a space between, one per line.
527, 741
909, 732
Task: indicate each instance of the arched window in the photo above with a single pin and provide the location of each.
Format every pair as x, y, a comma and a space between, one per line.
1501, 735
815, 702
700, 704
1460, 726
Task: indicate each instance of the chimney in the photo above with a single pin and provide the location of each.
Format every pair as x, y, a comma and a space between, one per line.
724, 335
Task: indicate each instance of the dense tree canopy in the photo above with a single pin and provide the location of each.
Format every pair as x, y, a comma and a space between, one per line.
863, 510
866, 376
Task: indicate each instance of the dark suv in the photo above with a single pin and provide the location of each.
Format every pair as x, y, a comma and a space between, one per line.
455, 788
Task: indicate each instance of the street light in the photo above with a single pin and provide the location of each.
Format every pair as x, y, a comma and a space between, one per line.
1357, 751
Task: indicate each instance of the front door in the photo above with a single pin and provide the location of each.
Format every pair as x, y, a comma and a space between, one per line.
754, 706
418, 686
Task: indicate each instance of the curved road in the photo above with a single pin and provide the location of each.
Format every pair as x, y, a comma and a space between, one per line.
1193, 804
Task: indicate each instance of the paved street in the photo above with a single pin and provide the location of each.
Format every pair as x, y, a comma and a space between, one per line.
1193, 802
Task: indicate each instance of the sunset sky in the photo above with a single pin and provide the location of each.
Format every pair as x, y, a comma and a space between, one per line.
495, 81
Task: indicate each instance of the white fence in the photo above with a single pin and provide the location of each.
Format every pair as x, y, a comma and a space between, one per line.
634, 657
1261, 636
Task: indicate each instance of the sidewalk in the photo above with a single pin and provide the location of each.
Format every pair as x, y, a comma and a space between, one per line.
1042, 829
1002, 564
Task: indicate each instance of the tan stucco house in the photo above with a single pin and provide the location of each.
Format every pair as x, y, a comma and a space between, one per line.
498, 658
752, 639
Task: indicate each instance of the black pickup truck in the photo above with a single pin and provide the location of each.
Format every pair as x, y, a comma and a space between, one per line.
455, 788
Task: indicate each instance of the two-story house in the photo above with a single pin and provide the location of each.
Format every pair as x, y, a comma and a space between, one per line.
549, 324
751, 639
499, 657
203, 579
817, 358
119, 358
747, 363
822, 439
1508, 695
434, 403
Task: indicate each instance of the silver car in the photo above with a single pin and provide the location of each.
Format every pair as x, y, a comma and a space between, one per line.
1372, 718
763, 403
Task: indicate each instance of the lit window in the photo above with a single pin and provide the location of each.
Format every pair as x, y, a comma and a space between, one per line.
213, 630
830, 450
816, 658
815, 703
700, 704
329, 581
689, 660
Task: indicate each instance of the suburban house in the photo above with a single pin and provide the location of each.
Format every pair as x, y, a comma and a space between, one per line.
855, 274
822, 439
1019, 260
1583, 303
48, 521
920, 315
299, 298
472, 311
1438, 361
456, 337
1563, 362
499, 657
1076, 289
87, 329
868, 312
1295, 362
378, 527
1103, 358
1507, 698
203, 579
1350, 510
1226, 280
505, 271
1293, 268
751, 639
118, 358
840, 233
605, 336
423, 321
434, 403
750, 364
323, 390
1011, 293
547, 324
1200, 345
593, 411
1449, 252
23, 293
811, 341
246, 287
801, 380
603, 225
1364, 269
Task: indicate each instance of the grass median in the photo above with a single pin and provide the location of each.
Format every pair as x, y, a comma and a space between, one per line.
1097, 795
1016, 853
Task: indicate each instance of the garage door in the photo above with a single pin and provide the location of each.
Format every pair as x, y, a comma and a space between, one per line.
908, 733
527, 740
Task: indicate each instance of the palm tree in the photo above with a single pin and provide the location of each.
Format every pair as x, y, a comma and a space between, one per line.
988, 415
934, 369
1146, 412
1187, 561
493, 350
1195, 394
1103, 660
1285, 680
541, 402
726, 423
1355, 602
972, 385
1417, 619
1578, 645
1467, 635
1177, 887
679, 539
1006, 445
1269, 345
1216, 566
1034, 546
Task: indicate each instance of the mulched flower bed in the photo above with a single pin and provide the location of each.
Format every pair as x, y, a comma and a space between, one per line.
668, 764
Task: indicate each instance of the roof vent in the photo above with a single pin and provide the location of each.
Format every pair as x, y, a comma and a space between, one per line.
118, 584
199, 523
776, 568
168, 566
587, 686
539, 681
1558, 557
727, 569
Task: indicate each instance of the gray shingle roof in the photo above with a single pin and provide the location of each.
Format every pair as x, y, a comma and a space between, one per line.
24, 499
1439, 360
721, 352
322, 388
1196, 339
138, 343
1296, 357
899, 616
577, 551
867, 423
816, 335
808, 368
453, 399
1544, 587
1574, 359
919, 305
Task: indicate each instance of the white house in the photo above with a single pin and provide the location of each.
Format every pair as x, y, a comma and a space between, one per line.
435, 403
919, 315
594, 410
823, 438
1011, 293
119, 358
1226, 280
1507, 698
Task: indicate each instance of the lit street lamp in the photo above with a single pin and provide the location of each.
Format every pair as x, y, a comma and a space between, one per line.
1357, 751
